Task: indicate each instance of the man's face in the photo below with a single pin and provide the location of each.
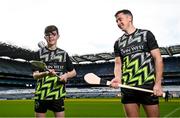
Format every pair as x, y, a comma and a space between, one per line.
51, 38
123, 21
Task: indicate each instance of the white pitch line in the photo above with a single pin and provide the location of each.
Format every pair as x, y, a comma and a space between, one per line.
169, 114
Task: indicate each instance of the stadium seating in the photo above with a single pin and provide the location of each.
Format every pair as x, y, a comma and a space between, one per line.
19, 74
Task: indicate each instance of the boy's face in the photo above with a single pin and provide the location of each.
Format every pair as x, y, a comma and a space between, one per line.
51, 38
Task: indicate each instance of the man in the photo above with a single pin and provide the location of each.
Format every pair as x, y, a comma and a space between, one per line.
138, 63
166, 96
50, 89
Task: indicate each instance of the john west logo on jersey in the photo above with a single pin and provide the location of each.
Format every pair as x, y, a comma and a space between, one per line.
56, 67
132, 49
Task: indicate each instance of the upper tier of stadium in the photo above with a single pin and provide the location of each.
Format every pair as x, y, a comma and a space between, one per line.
15, 52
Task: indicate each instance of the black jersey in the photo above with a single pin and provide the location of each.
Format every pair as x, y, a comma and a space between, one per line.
50, 87
137, 63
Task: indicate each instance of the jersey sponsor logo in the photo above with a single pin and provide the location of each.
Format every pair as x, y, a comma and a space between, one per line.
132, 49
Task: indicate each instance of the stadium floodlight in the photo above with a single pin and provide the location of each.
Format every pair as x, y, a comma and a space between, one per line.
91, 78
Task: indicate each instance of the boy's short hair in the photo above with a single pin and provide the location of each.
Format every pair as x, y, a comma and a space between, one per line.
50, 29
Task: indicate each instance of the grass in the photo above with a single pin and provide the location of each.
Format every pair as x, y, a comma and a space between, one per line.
105, 107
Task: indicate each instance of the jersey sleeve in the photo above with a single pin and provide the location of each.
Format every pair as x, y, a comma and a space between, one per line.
151, 41
69, 65
116, 49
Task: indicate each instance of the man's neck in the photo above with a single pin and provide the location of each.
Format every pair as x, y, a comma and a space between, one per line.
130, 30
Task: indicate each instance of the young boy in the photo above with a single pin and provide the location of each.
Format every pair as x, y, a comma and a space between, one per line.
50, 89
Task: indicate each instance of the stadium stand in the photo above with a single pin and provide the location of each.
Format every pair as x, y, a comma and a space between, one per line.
15, 52
15, 73
16, 81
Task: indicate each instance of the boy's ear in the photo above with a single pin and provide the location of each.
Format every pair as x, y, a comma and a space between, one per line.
58, 35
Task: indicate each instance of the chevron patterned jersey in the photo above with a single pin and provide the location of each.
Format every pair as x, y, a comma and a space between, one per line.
50, 87
137, 62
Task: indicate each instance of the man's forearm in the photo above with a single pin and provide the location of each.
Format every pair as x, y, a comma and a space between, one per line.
159, 70
117, 72
117, 68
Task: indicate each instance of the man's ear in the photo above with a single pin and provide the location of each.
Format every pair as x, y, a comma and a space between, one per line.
131, 19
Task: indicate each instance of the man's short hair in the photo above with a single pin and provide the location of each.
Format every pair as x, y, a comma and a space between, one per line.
124, 11
50, 29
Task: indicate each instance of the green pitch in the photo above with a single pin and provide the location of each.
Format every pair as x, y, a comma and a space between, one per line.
105, 107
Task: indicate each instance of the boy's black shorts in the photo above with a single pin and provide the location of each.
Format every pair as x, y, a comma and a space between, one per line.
135, 96
41, 106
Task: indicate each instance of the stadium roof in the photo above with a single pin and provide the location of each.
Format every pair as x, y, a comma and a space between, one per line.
93, 57
15, 52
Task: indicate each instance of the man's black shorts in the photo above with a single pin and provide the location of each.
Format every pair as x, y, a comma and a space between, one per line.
135, 96
41, 106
